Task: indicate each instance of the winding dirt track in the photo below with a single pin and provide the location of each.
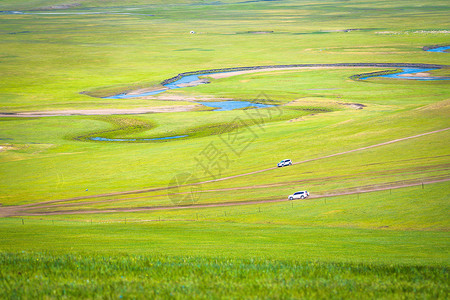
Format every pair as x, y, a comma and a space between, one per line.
359, 190
22, 209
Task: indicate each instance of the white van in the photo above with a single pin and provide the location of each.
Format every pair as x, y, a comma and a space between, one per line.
299, 195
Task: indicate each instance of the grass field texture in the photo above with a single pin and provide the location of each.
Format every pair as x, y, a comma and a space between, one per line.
96, 219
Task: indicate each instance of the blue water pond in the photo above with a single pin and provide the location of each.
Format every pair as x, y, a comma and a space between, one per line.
439, 49
135, 140
230, 105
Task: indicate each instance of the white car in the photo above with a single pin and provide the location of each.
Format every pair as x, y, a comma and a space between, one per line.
299, 195
284, 162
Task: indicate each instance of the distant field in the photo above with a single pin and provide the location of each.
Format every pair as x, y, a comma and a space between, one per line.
82, 219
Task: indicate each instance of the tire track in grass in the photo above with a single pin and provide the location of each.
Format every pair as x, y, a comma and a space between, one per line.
4, 211
357, 190
264, 186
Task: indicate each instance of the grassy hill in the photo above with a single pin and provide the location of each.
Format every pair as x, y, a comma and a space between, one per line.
86, 219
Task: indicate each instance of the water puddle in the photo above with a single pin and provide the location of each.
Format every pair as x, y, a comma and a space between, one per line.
416, 74
185, 81
230, 105
439, 49
136, 140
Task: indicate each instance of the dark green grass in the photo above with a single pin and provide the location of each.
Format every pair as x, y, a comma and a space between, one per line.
231, 237
126, 126
121, 125
335, 248
87, 276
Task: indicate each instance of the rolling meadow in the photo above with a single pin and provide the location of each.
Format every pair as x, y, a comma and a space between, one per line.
161, 196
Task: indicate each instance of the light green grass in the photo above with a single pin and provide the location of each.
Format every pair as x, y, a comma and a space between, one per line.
53, 166
411, 208
89, 52
386, 244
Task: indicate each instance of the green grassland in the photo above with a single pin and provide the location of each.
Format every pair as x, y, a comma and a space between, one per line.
389, 244
381, 244
69, 54
162, 277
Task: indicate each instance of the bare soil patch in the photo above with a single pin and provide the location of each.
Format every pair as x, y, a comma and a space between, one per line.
235, 73
420, 74
112, 111
21, 210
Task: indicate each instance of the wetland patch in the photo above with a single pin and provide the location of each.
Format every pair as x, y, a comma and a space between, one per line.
231, 105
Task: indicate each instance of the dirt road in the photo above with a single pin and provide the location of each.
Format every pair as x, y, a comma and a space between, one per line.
238, 175
22, 209
95, 112
25, 211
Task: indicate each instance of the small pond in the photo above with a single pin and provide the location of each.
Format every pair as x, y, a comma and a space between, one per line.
230, 105
439, 49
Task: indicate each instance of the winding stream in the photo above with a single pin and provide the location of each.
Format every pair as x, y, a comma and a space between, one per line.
187, 80
190, 80
135, 140
194, 80
406, 71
